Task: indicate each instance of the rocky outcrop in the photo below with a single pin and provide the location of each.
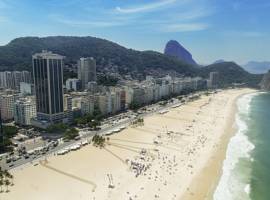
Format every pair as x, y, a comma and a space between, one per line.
265, 83
173, 48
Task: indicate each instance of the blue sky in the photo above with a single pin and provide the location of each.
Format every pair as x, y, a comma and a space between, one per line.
210, 29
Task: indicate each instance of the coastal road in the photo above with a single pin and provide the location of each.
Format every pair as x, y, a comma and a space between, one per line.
33, 159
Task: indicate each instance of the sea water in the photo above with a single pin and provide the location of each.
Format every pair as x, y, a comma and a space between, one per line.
246, 169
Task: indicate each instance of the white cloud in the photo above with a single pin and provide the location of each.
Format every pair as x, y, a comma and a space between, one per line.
192, 14
90, 23
185, 27
145, 7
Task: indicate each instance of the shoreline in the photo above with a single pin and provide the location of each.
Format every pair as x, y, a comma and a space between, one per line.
204, 185
178, 165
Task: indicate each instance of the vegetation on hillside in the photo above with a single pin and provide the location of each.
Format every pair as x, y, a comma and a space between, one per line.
230, 72
17, 56
18, 53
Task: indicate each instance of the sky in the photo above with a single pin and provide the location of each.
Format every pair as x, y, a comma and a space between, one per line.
233, 30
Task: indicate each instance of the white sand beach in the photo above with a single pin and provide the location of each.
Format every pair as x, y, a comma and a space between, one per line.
173, 156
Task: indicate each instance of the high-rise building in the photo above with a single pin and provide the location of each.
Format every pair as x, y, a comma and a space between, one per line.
24, 111
9, 80
12, 80
214, 80
7, 106
73, 84
48, 83
26, 89
26, 77
88, 105
68, 107
87, 71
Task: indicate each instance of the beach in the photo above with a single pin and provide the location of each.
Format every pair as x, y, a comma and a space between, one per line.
175, 155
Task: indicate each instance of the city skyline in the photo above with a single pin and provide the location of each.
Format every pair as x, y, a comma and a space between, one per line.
229, 30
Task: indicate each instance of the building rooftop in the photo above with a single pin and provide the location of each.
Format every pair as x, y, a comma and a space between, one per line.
47, 55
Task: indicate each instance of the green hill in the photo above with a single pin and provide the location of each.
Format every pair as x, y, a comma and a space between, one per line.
17, 56
230, 72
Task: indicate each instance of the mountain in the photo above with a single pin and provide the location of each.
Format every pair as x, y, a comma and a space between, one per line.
265, 83
257, 67
230, 72
173, 48
110, 56
17, 54
219, 61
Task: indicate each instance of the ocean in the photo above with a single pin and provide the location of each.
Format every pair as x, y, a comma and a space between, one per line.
246, 169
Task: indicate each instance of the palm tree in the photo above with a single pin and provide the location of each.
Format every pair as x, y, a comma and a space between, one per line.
1, 183
9, 176
12, 178
7, 183
1, 178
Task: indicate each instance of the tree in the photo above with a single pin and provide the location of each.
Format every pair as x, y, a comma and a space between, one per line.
99, 141
134, 106
7, 183
5, 177
94, 123
9, 176
10, 131
97, 113
57, 128
1, 180
71, 134
1, 184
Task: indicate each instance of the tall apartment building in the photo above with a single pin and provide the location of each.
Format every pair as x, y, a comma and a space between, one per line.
68, 108
87, 71
214, 80
24, 111
87, 104
104, 102
26, 89
48, 82
7, 106
12, 80
73, 84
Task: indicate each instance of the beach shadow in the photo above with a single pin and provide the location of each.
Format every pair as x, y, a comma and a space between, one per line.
44, 164
123, 147
164, 146
115, 155
175, 118
148, 131
135, 142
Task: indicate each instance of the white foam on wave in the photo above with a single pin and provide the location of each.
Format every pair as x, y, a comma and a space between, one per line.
239, 146
247, 189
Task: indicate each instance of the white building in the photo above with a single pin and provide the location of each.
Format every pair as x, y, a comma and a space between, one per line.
129, 95
73, 84
87, 71
24, 111
26, 89
12, 80
68, 107
213, 80
88, 104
